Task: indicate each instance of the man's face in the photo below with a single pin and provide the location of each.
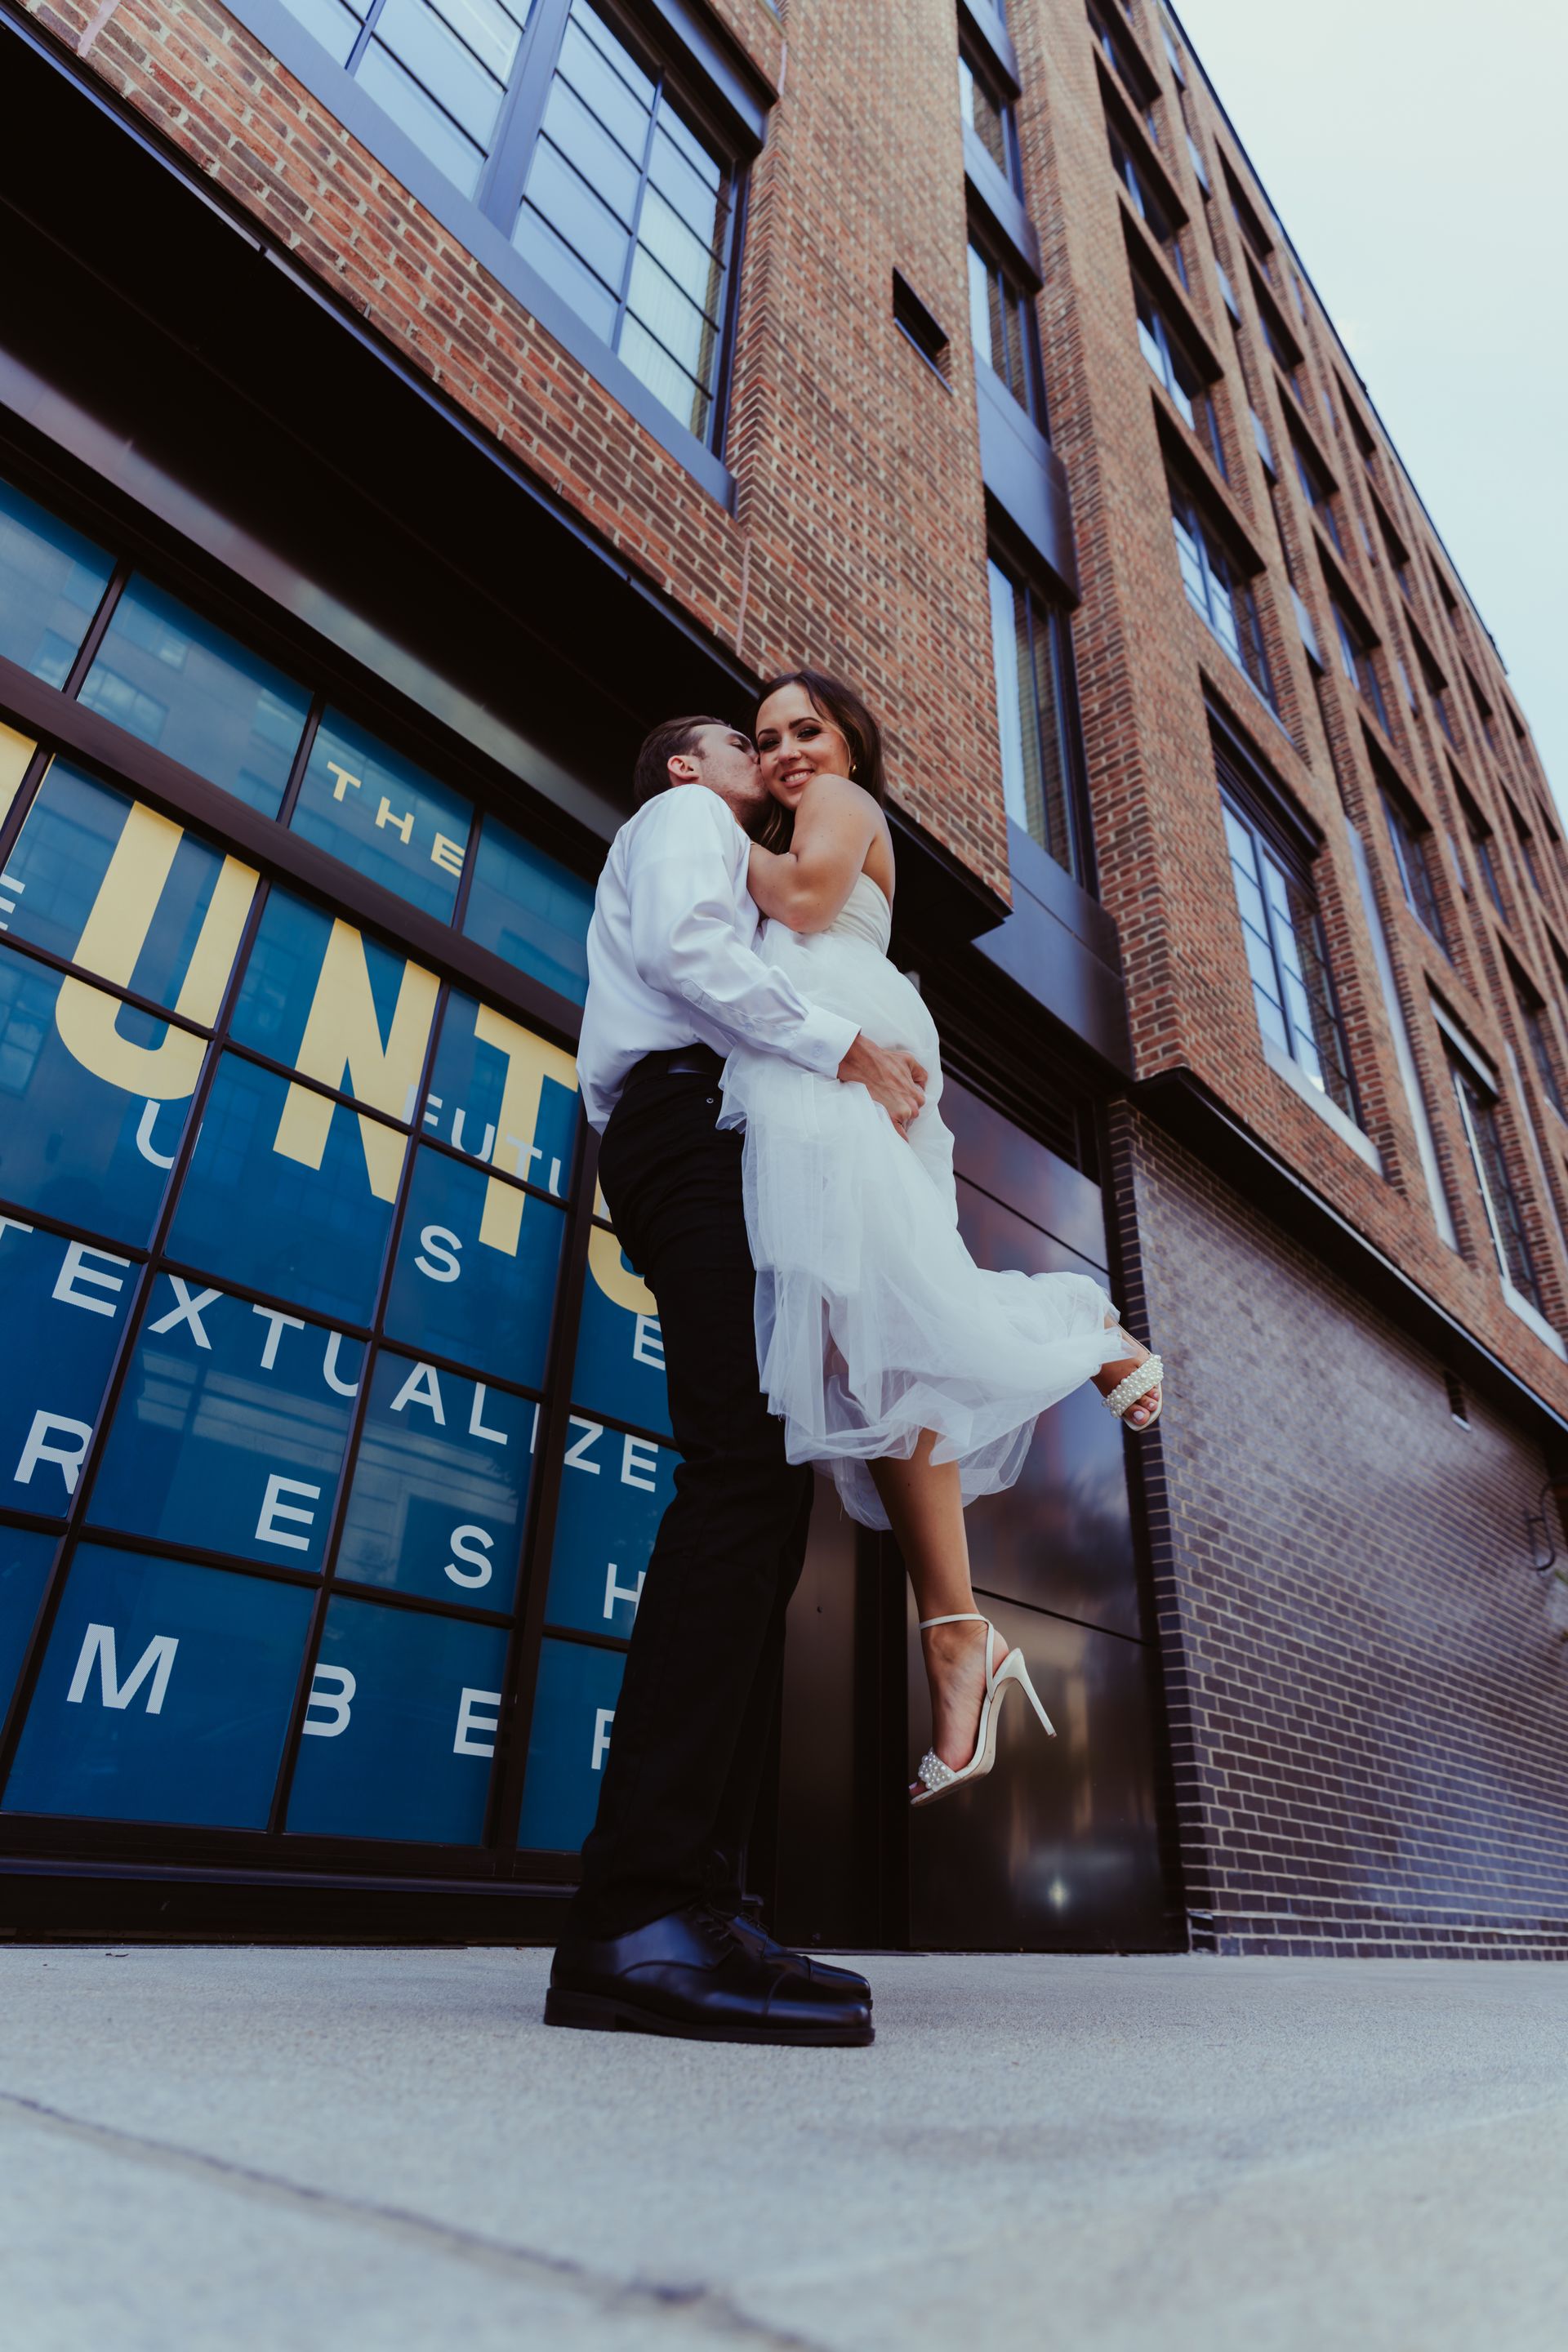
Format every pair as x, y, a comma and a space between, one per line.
726, 761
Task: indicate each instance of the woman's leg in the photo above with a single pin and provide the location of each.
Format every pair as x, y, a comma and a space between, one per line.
924, 1504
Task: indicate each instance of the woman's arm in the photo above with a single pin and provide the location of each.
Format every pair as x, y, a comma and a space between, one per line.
834, 825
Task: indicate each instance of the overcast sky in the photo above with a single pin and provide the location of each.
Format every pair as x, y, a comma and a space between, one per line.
1414, 154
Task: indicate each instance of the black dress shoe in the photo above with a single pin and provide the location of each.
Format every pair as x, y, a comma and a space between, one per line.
690, 1974
762, 1947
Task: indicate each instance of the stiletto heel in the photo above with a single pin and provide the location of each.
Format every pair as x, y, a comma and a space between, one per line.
937, 1778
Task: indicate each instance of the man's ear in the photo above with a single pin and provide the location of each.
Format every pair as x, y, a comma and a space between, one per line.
682, 768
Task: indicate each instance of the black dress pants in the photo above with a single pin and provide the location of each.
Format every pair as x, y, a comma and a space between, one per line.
690, 1735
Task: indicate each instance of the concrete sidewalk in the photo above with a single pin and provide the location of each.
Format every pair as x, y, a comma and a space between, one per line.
287, 2150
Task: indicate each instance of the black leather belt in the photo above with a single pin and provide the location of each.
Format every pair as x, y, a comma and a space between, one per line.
677, 1062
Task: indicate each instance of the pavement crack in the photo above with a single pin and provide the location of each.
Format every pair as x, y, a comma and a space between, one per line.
684, 2304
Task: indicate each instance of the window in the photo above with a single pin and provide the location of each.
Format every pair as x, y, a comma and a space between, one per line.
1002, 323
1436, 686
1484, 713
991, 120
1527, 851
1537, 1030
1038, 718
569, 138
1410, 838
913, 318
1480, 834
1283, 936
1219, 592
1150, 210
1504, 1216
1254, 236
1179, 373
1317, 489
1355, 660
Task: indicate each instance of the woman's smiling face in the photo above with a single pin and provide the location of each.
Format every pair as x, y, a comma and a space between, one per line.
794, 742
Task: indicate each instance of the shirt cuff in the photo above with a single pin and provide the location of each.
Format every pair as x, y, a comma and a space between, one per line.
824, 1040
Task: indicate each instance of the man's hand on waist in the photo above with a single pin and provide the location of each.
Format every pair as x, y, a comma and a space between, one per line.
890, 1077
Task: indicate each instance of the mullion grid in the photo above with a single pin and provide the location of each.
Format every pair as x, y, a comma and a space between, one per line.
1292, 941
1479, 1119
154, 1257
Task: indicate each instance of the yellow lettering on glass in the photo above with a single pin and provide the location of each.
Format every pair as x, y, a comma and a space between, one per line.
528, 1062
15, 750
112, 938
344, 1035
346, 780
615, 1278
403, 825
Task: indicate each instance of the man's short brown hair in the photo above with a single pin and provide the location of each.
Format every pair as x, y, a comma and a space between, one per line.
671, 739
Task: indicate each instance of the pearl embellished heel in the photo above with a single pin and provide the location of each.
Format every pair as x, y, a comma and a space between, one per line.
939, 1780
1143, 1377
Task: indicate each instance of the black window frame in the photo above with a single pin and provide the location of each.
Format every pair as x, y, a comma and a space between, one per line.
1217, 564
983, 78
1010, 301
1172, 363
1501, 1205
1410, 836
1149, 206
1535, 1021
1064, 834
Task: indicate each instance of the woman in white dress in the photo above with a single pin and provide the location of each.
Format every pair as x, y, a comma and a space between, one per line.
911, 1373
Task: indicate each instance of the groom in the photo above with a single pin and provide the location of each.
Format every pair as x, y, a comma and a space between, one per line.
653, 1940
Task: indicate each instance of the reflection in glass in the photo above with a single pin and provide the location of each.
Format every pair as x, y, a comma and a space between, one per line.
401, 1730
527, 907
93, 1096
112, 884
568, 1738
331, 1001
279, 1195
69, 1300
383, 817
230, 1429
165, 1693
504, 1096
51, 582
615, 1489
475, 1278
171, 677
440, 1486
24, 1561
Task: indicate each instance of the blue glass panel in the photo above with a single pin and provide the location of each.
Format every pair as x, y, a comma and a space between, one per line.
440, 1486
230, 1428
88, 1129
67, 1302
534, 912
51, 584
620, 1349
573, 1708
485, 1302
370, 1011
401, 1729
504, 1096
195, 692
24, 1572
108, 883
278, 1195
383, 817
164, 1694
615, 1489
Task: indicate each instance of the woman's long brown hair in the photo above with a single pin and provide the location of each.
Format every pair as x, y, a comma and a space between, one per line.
838, 703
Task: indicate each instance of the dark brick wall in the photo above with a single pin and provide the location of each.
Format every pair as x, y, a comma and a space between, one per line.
1366, 1682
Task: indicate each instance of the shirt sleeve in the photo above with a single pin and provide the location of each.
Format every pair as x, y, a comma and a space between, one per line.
680, 883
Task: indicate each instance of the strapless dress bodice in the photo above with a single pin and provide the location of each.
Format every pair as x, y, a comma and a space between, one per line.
865, 914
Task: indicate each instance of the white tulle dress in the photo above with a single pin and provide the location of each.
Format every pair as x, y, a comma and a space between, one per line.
873, 1321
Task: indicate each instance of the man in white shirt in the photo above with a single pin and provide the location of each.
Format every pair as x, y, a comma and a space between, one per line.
653, 1940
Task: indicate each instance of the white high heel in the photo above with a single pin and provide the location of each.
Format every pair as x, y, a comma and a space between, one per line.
937, 1778
1149, 1374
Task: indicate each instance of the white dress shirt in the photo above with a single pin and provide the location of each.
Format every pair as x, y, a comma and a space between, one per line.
672, 957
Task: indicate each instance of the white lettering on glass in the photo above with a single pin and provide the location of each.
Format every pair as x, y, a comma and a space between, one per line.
144, 1143
471, 1725
185, 1310
463, 1540
97, 1649
647, 1342
330, 1368
577, 1455
477, 1427
74, 1269
14, 1225
332, 1688
278, 1323
613, 1591
443, 1244
67, 1459
639, 1463
433, 1110
603, 1718
274, 1508
423, 1386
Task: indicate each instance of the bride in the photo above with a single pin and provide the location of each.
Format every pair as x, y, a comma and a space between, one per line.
894, 1360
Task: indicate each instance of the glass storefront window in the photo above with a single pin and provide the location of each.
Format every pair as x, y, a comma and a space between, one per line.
335, 1005
475, 1278
503, 1096
93, 1098
166, 675
51, 582
620, 1349
289, 1193
230, 1429
400, 1735
573, 1716
165, 1693
531, 909
440, 1486
366, 805
66, 1301
24, 1561
615, 1489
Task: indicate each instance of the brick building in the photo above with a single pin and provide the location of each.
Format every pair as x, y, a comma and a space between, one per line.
403, 403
